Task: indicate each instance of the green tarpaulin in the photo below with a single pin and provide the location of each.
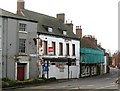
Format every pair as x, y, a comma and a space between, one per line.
89, 55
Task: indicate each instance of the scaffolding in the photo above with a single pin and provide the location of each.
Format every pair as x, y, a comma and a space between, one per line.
89, 55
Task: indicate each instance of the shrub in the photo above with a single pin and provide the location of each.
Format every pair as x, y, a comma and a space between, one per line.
9, 83
6, 79
5, 84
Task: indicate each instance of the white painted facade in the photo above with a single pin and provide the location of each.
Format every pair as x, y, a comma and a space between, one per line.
62, 72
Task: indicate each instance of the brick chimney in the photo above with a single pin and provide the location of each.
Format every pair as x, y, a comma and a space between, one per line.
70, 24
61, 16
91, 38
78, 31
20, 6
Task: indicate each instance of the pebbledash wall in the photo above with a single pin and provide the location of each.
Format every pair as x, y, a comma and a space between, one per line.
54, 71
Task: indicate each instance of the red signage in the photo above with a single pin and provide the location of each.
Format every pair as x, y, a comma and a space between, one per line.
50, 49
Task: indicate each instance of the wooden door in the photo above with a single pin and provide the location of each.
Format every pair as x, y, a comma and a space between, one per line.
20, 72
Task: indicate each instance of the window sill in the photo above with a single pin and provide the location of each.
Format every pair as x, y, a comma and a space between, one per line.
23, 32
22, 54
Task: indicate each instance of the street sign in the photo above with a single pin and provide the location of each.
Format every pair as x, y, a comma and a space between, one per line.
45, 68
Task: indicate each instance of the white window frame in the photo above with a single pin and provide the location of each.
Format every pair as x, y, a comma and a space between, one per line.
65, 32
22, 46
50, 29
22, 27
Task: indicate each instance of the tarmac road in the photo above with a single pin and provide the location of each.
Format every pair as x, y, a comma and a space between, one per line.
104, 82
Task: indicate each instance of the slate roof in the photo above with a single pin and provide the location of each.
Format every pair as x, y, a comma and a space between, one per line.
8, 14
86, 43
45, 21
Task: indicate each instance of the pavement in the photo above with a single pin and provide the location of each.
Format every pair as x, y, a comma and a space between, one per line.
41, 84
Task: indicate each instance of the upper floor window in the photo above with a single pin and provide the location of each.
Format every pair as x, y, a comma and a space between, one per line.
65, 32
50, 29
67, 49
22, 27
60, 48
53, 45
45, 48
73, 49
22, 45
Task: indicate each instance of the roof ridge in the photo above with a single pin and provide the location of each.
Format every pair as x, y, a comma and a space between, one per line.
39, 13
7, 11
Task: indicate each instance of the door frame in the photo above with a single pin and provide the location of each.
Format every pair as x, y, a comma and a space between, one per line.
26, 69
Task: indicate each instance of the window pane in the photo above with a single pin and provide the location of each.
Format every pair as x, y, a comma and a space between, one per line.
53, 45
60, 49
73, 49
22, 27
22, 45
67, 49
50, 29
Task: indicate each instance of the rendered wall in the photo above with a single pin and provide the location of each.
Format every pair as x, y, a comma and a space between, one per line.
0, 52
55, 71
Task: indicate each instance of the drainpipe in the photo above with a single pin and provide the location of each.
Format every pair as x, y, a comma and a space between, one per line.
69, 63
5, 21
47, 70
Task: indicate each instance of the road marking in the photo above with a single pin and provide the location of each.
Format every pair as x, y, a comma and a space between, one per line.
90, 85
107, 78
105, 87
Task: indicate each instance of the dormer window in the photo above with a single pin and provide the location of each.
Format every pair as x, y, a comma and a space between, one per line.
65, 32
50, 29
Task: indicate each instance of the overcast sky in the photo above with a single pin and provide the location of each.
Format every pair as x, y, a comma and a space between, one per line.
97, 17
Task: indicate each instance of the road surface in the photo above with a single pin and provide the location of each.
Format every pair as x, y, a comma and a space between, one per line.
104, 82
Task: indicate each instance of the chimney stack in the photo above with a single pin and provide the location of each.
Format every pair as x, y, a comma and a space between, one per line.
78, 31
70, 24
91, 38
20, 6
61, 17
